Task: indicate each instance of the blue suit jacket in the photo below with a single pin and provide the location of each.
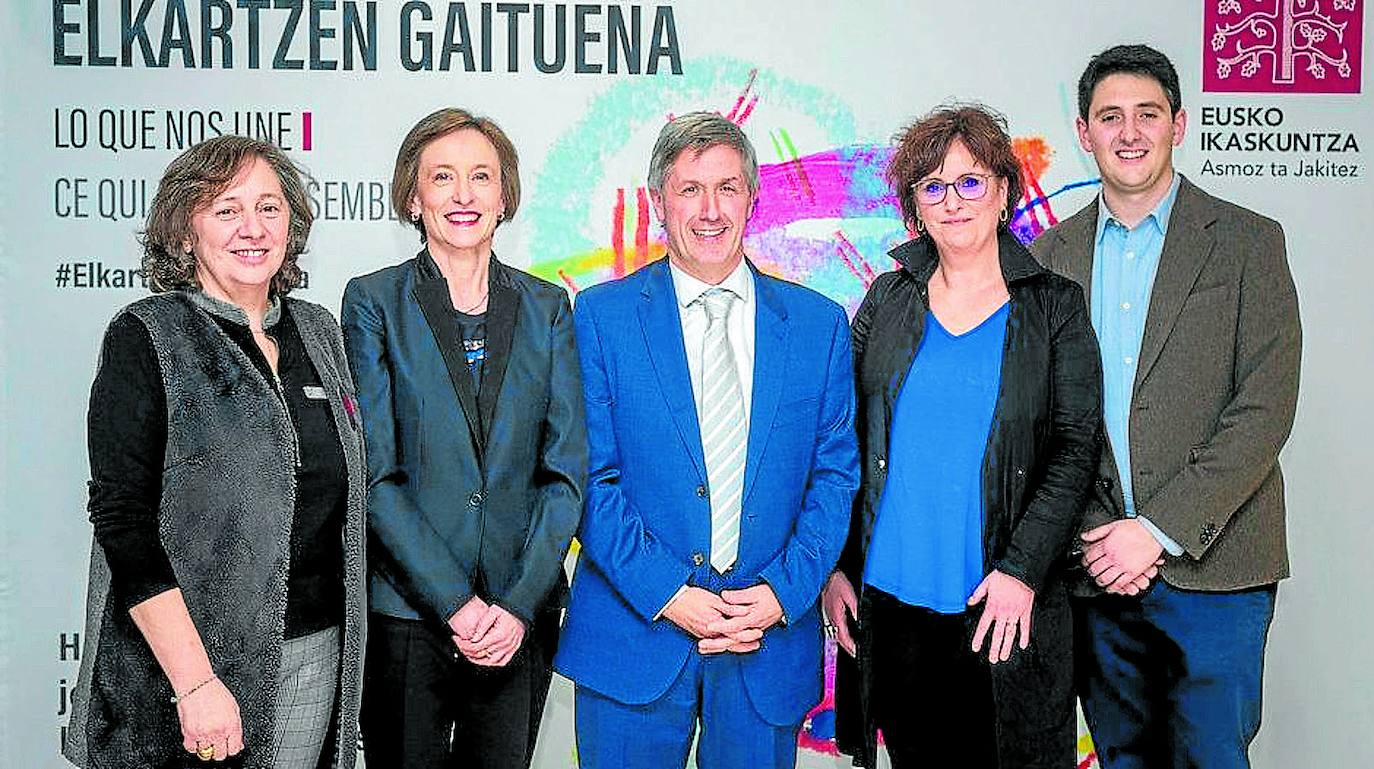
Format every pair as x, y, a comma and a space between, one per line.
469, 492
646, 529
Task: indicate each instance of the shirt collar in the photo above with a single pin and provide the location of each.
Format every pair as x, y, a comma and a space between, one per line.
232, 312
740, 281
1159, 216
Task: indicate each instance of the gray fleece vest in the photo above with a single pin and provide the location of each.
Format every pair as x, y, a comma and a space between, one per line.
228, 498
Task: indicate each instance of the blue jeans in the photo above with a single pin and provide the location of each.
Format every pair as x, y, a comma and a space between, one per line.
1173, 678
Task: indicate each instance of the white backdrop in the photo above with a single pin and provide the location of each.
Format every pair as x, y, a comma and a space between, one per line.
90, 115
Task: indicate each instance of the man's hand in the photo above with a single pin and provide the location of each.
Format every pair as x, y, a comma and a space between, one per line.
838, 605
1121, 556
1140, 584
747, 614
742, 642
694, 609
496, 639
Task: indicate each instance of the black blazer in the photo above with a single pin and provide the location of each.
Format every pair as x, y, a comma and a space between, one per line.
1041, 456
469, 492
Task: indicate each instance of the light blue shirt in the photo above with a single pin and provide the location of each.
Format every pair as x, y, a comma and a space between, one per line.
1124, 266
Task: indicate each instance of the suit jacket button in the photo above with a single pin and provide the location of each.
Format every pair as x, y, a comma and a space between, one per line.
882, 463
701, 492
475, 499
1209, 532
698, 559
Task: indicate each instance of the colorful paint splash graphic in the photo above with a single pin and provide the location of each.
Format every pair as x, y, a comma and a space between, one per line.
824, 217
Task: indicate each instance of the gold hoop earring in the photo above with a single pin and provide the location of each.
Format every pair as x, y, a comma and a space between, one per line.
1002, 217
920, 225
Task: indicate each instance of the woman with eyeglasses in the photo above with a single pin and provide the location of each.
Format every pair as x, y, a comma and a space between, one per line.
979, 394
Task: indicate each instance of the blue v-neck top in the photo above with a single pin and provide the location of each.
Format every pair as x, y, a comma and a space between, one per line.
927, 546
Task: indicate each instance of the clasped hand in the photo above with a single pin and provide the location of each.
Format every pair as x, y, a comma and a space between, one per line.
486, 634
733, 621
1122, 556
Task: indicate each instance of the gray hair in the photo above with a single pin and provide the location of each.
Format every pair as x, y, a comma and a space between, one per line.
698, 132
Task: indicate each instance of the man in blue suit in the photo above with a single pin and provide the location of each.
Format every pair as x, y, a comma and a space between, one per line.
723, 462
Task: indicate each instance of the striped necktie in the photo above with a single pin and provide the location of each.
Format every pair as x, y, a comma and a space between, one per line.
724, 434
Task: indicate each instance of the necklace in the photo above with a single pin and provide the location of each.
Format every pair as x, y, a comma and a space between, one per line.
480, 301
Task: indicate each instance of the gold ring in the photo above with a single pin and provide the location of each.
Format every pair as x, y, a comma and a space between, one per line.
205, 752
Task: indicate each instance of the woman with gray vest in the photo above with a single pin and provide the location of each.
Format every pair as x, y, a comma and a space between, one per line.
225, 612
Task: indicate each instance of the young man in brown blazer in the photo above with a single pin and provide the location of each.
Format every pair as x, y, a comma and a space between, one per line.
1197, 317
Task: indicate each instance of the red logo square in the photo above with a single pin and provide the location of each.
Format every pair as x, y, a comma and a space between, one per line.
1282, 46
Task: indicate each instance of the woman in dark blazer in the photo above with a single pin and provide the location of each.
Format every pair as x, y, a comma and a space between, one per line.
476, 449
979, 395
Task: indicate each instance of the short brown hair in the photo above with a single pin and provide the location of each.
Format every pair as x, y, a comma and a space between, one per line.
436, 125
921, 149
194, 179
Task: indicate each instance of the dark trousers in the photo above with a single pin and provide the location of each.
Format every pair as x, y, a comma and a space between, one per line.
932, 696
1172, 679
426, 707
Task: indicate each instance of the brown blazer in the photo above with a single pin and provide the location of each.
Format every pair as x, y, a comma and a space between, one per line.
1215, 390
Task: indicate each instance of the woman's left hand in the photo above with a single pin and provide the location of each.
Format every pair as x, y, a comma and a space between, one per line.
497, 638
1008, 608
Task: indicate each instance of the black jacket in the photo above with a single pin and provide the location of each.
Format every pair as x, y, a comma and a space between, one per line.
1041, 455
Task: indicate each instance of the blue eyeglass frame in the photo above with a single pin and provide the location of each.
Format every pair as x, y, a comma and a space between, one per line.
945, 187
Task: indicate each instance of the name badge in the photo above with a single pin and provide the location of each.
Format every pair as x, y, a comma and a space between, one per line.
315, 393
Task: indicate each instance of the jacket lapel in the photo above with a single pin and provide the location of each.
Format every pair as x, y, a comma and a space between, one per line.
770, 371
903, 322
662, 327
1187, 247
1076, 249
503, 305
431, 293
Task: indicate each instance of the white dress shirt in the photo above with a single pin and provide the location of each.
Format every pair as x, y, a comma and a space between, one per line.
739, 327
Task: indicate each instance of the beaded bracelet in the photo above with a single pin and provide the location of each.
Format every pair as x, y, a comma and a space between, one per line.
179, 697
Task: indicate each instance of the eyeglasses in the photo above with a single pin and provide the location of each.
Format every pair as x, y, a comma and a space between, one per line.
930, 192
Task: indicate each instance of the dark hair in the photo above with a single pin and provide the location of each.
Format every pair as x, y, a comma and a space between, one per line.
921, 149
405, 179
194, 179
698, 132
1130, 60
